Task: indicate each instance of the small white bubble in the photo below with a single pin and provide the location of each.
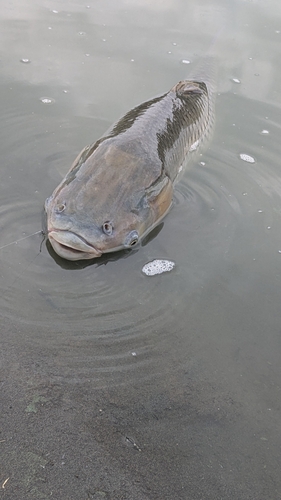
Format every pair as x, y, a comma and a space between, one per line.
244, 194
185, 61
132, 60
87, 55
277, 31
235, 80
247, 158
50, 28
104, 39
169, 52
65, 91
260, 211
158, 266
47, 100
265, 132
174, 43
250, 58
134, 353
81, 33
279, 251
268, 227
55, 11
202, 163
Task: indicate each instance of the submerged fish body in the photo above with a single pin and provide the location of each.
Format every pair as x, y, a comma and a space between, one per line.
120, 187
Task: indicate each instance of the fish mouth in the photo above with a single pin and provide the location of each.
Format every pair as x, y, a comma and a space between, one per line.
70, 246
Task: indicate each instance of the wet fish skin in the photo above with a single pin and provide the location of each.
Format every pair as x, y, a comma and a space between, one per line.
120, 187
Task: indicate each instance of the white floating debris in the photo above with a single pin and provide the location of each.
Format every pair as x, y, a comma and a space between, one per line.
194, 146
202, 163
134, 353
247, 158
235, 80
158, 266
185, 61
25, 61
265, 132
47, 100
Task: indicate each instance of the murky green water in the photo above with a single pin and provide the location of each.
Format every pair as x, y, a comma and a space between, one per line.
116, 385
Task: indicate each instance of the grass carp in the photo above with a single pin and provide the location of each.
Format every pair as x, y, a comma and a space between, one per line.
120, 187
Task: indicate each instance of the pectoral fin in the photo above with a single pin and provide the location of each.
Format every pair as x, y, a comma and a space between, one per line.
160, 196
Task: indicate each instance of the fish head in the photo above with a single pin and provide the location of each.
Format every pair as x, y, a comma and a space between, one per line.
105, 203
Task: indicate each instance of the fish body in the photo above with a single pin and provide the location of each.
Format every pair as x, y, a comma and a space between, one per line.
119, 188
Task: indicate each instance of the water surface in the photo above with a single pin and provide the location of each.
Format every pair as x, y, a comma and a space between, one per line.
115, 384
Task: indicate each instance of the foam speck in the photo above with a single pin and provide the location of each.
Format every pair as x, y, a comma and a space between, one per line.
47, 100
158, 266
247, 158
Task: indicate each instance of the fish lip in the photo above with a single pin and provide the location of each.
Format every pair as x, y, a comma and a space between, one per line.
60, 241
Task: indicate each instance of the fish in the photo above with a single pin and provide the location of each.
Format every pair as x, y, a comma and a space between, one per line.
119, 188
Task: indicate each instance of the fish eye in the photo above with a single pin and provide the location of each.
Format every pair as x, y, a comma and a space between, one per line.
132, 239
107, 228
133, 242
60, 207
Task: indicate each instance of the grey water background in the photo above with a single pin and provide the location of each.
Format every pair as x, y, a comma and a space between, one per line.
115, 385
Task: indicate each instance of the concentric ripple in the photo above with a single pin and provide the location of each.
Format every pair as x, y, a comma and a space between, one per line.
96, 317
105, 321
